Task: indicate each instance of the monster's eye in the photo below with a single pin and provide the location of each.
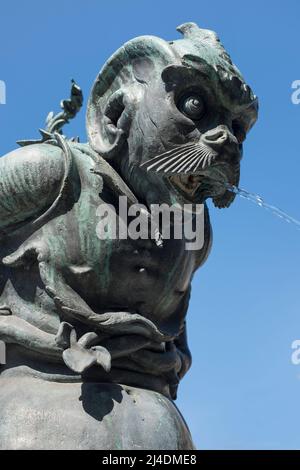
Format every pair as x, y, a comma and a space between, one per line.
192, 106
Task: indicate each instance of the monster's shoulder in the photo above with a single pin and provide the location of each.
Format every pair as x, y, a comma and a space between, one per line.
30, 179
31, 155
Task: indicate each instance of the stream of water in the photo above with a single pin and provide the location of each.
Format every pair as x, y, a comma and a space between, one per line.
260, 202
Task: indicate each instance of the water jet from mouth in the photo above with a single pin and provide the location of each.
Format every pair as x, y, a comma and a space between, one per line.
258, 200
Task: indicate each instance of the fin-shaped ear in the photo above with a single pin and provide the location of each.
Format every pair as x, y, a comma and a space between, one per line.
106, 135
122, 75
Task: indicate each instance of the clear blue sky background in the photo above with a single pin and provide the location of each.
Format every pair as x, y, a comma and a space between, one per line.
242, 391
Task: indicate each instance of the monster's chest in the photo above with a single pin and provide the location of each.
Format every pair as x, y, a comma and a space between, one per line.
152, 279
135, 275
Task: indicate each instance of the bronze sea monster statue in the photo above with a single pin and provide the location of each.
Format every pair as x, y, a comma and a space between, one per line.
95, 326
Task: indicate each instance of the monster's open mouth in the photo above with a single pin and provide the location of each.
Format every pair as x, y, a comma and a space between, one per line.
188, 184
196, 188
210, 183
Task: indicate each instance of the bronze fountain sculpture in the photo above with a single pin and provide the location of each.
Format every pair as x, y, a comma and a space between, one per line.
94, 326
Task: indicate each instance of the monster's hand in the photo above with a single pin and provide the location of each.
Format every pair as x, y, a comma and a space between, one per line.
94, 349
80, 355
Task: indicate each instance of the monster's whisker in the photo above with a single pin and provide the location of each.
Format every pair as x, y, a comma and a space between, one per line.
174, 153
150, 165
172, 150
185, 168
208, 154
182, 156
202, 153
182, 165
209, 159
194, 164
205, 160
191, 161
175, 160
180, 161
199, 163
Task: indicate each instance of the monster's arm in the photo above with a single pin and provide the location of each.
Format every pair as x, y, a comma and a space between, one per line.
30, 180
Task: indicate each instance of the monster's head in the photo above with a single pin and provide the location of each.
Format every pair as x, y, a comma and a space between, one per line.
171, 117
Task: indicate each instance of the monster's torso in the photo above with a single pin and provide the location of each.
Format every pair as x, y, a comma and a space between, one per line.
56, 267
107, 273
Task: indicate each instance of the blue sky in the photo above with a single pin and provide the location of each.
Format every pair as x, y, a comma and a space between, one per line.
242, 391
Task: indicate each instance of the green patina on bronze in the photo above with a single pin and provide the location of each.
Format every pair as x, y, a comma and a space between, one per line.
81, 314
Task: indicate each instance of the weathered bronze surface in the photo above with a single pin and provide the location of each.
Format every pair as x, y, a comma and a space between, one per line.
95, 328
